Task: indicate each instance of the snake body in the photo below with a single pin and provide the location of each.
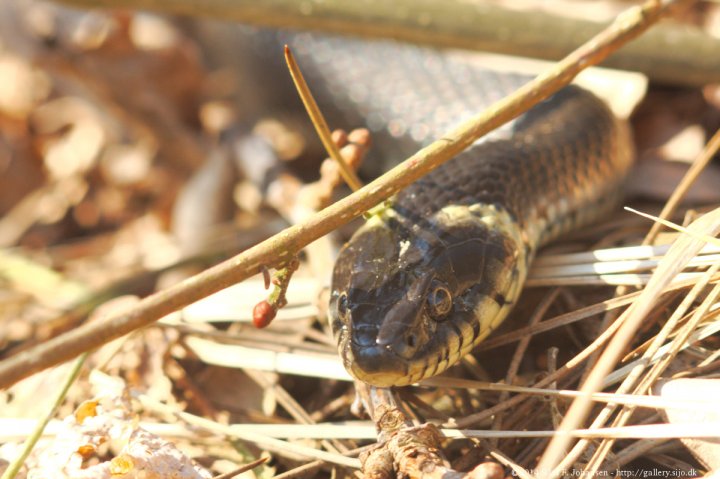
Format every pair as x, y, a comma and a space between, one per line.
419, 285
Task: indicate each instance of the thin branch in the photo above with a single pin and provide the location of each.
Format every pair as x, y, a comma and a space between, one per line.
283, 246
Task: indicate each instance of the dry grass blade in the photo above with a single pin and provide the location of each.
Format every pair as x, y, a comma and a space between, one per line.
623, 253
262, 434
629, 279
367, 431
292, 406
645, 431
504, 460
671, 54
698, 235
14, 468
613, 266
569, 366
319, 121
707, 404
242, 469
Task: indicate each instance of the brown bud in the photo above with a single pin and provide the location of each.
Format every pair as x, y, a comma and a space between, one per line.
339, 137
263, 314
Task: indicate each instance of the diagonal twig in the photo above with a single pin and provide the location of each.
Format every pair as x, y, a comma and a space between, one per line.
319, 122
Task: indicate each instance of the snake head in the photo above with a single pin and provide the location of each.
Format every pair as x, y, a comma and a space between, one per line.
405, 305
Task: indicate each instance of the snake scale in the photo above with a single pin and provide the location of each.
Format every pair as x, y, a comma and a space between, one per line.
419, 285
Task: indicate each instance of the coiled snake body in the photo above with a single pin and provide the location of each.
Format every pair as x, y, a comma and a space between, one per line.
418, 286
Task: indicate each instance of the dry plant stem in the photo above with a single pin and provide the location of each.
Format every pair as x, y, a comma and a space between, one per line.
709, 362
677, 257
697, 235
693, 172
283, 246
408, 452
281, 281
332, 407
684, 333
642, 431
403, 450
319, 122
470, 420
313, 466
552, 355
241, 469
420, 406
186, 386
647, 401
301, 471
518, 470
638, 449
706, 367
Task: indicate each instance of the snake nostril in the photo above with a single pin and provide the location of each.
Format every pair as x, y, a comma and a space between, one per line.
411, 340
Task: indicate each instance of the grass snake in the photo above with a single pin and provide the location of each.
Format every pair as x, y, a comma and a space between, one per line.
418, 286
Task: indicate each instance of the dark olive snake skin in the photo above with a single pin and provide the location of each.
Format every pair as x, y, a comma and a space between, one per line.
418, 286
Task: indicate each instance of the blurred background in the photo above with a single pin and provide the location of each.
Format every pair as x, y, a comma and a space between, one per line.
138, 147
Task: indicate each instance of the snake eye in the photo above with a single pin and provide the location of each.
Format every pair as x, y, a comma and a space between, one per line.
342, 306
439, 301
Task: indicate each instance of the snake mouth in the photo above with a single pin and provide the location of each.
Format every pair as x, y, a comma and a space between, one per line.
378, 366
